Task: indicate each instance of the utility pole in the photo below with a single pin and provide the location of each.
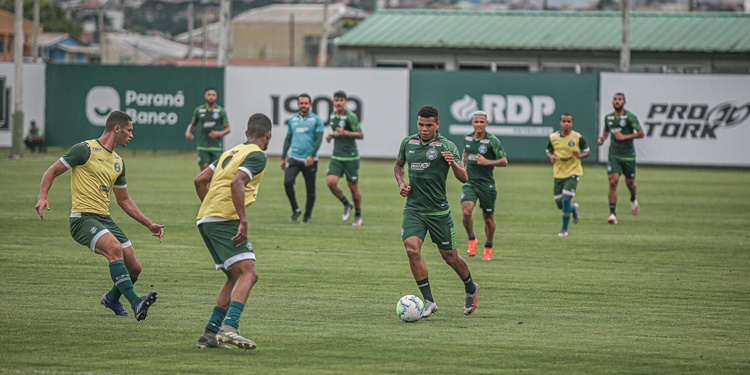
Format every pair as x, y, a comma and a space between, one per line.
625, 48
205, 37
16, 150
225, 16
35, 38
102, 36
323, 50
291, 39
190, 24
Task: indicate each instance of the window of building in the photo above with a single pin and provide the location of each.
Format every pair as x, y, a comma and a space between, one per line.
392, 64
512, 68
475, 66
560, 68
428, 65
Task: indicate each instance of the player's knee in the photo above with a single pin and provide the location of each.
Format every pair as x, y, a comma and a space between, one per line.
449, 257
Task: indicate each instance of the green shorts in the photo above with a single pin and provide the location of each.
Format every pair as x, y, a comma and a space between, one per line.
486, 196
350, 168
87, 228
566, 186
218, 238
208, 157
441, 228
621, 166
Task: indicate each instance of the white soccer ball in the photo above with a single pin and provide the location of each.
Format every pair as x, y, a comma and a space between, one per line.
409, 308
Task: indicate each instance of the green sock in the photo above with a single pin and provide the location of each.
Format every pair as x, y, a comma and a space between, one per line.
566, 210
120, 276
217, 316
114, 293
233, 315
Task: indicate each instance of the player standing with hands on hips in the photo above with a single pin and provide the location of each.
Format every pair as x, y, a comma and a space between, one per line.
624, 127
429, 156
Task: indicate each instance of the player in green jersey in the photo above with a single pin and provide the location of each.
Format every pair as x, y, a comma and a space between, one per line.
226, 189
429, 156
565, 150
345, 159
97, 171
482, 153
213, 124
624, 127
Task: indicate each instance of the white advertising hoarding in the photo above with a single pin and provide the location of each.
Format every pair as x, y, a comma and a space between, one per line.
687, 119
379, 97
33, 92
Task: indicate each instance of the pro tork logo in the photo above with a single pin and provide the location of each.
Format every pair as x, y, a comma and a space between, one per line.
100, 101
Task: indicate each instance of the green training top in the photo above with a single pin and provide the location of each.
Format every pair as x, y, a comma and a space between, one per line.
625, 124
482, 175
208, 120
428, 171
344, 148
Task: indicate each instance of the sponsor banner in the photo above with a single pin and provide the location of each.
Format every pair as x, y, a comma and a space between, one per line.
32, 102
522, 109
687, 119
377, 96
160, 100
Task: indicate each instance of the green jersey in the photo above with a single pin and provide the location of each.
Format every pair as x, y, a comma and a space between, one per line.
482, 175
428, 172
344, 148
625, 124
208, 120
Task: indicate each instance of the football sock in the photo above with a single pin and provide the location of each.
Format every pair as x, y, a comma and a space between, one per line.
120, 276
469, 284
217, 316
559, 204
632, 197
233, 314
358, 212
472, 237
566, 209
344, 201
114, 293
488, 244
612, 207
424, 287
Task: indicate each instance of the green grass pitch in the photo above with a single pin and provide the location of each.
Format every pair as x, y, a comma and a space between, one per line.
667, 291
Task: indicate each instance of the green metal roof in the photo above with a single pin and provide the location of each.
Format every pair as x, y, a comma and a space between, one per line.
551, 30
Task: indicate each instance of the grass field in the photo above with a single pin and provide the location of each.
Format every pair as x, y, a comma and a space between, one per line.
667, 291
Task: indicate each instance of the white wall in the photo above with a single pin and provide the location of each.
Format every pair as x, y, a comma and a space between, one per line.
33, 104
692, 119
384, 95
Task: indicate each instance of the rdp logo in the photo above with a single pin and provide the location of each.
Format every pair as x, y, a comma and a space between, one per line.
100, 101
509, 109
321, 106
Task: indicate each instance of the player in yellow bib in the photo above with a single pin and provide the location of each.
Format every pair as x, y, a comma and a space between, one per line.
226, 188
97, 171
565, 150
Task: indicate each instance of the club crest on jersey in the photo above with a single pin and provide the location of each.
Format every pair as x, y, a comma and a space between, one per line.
117, 167
482, 149
571, 143
342, 123
622, 122
216, 115
432, 154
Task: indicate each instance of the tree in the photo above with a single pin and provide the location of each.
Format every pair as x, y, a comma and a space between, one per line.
51, 16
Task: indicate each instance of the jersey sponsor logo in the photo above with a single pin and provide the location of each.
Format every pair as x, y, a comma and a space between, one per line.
696, 120
104, 188
301, 130
436, 144
432, 154
96, 149
202, 110
414, 141
472, 157
469, 138
92, 230
484, 141
419, 166
209, 124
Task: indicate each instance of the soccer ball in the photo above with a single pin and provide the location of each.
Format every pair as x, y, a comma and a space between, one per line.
409, 308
